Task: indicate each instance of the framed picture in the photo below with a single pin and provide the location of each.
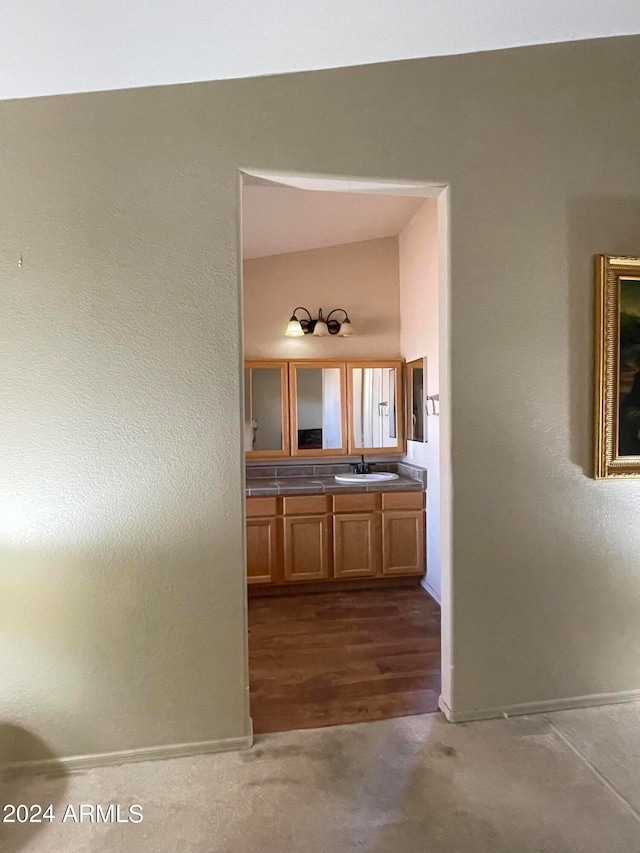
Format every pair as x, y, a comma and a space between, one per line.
617, 397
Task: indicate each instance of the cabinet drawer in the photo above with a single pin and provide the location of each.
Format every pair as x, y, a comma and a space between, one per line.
305, 504
402, 500
363, 502
262, 507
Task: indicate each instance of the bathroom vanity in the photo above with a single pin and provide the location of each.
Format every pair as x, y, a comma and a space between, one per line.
304, 526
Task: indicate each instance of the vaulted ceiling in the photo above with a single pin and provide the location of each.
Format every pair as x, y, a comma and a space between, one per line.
70, 46
278, 219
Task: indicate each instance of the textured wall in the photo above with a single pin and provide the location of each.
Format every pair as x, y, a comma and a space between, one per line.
121, 610
360, 277
122, 607
419, 321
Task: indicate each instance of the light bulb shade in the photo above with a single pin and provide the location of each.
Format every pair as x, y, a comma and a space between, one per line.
346, 329
321, 329
294, 329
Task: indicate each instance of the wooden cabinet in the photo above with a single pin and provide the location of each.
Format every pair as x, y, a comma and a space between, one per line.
402, 500
403, 542
266, 409
262, 550
346, 536
305, 504
416, 399
356, 548
306, 548
262, 507
263, 542
403, 533
320, 408
375, 407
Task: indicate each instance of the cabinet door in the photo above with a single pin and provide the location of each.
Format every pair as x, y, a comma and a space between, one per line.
318, 408
262, 550
376, 406
306, 548
416, 394
356, 545
266, 409
403, 542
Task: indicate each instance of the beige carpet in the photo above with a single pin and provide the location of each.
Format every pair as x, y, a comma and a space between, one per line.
562, 782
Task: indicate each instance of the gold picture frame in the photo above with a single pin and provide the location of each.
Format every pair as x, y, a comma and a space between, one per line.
617, 367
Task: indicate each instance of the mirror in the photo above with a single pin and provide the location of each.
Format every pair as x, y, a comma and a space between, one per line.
317, 410
376, 407
416, 390
265, 409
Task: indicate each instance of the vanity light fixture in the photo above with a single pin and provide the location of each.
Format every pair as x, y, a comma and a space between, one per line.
294, 327
322, 326
346, 329
320, 329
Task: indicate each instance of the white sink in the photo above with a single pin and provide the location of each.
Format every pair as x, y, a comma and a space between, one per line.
366, 478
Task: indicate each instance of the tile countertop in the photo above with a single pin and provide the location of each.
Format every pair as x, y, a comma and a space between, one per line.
315, 485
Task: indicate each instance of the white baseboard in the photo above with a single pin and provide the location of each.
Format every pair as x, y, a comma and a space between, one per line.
127, 756
426, 586
546, 705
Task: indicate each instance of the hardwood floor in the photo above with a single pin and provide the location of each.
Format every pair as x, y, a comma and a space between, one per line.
324, 659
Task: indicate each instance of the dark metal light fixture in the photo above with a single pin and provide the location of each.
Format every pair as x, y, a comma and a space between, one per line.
308, 326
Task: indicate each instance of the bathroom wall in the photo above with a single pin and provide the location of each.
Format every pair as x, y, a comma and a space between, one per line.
419, 315
123, 600
361, 277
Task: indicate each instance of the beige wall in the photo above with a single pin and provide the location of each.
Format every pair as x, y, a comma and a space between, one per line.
419, 321
122, 606
361, 277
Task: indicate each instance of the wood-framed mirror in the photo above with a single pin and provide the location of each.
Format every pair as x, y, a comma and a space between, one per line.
416, 385
318, 408
266, 409
376, 407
